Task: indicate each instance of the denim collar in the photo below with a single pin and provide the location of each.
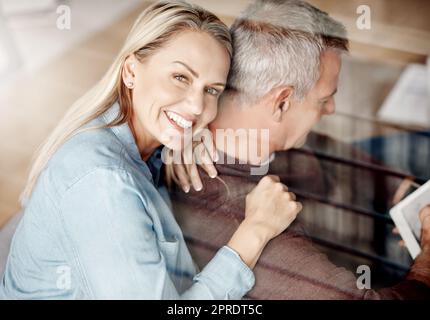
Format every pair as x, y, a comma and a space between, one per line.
151, 167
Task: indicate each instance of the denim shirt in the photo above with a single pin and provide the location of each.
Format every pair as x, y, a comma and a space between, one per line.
99, 225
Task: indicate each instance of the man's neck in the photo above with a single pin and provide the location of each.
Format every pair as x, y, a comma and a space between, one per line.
233, 122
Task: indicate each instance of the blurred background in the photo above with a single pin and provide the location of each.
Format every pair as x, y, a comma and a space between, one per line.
378, 137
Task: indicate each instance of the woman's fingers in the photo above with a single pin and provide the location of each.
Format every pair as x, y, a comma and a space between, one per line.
210, 169
271, 204
194, 176
182, 176
186, 172
203, 158
209, 145
191, 168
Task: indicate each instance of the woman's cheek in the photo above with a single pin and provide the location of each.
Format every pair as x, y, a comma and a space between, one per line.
211, 112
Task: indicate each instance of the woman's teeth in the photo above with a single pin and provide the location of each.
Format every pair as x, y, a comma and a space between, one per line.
183, 123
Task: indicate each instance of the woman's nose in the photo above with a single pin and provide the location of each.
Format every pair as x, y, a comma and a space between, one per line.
196, 103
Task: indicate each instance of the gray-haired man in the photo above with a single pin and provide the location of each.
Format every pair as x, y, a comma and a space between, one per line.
283, 78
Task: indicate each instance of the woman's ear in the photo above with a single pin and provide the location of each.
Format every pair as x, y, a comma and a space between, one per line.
281, 102
128, 72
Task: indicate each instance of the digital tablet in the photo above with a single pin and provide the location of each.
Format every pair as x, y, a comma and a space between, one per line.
406, 217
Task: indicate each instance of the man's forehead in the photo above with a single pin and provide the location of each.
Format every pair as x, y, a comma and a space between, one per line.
330, 62
329, 72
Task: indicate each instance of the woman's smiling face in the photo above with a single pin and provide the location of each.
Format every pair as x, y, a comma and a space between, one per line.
176, 89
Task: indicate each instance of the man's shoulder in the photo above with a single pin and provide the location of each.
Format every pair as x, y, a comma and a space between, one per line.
224, 189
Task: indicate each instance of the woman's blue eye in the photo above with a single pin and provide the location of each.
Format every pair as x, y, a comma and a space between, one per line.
212, 91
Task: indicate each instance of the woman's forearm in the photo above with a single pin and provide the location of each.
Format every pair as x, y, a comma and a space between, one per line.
248, 241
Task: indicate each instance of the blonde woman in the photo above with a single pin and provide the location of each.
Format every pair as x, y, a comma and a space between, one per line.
97, 221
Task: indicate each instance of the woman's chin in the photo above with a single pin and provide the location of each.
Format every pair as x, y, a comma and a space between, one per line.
175, 146
175, 139
177, 143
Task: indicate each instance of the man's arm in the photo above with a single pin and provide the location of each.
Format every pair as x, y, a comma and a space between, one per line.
290, 267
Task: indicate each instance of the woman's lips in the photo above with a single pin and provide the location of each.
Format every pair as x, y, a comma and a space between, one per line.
178, 120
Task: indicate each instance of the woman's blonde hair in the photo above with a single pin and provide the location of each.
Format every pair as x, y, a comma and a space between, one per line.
153, 28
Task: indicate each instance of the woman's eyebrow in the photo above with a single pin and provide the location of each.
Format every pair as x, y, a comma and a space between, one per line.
194, 73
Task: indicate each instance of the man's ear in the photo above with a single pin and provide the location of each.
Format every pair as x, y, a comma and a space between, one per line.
281, 100
128, 71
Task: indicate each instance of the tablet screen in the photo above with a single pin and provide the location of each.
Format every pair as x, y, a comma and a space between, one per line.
406, 217
411, 214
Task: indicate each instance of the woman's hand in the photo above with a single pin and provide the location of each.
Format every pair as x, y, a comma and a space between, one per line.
270, 209
185, 173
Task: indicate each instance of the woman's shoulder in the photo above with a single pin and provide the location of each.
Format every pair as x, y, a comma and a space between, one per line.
83, 153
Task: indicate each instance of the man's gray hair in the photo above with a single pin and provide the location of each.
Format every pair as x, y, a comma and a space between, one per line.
279, 42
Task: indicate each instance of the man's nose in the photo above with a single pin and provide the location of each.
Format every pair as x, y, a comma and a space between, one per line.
329, 109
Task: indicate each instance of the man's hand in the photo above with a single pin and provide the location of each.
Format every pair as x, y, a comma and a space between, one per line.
420, 269
425, 227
